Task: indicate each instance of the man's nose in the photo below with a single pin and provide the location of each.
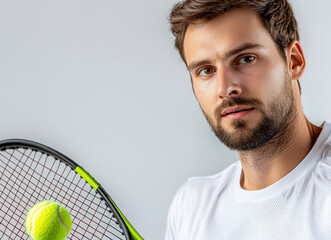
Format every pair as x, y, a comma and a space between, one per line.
227, 83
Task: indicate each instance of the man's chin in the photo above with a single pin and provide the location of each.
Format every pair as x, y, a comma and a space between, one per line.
238, 126
237, 138
240, 136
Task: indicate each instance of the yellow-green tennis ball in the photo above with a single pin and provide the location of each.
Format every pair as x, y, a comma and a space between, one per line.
48, 220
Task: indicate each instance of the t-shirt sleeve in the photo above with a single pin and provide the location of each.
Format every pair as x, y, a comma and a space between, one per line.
174, 214
171, 224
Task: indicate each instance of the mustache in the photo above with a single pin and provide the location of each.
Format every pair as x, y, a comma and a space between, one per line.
231, 102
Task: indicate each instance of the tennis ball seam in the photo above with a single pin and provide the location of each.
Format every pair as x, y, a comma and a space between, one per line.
34, 216
59, 216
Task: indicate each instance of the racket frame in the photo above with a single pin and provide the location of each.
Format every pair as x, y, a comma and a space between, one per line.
128, 231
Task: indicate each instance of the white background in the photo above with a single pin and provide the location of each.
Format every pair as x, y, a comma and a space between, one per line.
101, 82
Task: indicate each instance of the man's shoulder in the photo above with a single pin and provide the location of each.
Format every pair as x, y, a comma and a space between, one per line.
325, 155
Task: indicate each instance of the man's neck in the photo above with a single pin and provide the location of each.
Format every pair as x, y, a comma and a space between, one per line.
268, 164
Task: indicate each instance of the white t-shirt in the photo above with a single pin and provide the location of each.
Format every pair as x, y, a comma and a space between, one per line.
297, 207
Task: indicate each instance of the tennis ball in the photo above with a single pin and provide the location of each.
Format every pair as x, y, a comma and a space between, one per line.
48, 220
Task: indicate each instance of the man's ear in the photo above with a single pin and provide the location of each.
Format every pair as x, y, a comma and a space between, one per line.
295, 59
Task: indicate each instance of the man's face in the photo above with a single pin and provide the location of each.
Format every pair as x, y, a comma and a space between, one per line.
239, 78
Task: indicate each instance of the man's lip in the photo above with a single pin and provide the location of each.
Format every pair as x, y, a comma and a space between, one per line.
235, 109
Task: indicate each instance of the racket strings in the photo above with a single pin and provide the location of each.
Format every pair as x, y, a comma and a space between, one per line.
11, 205
17, 225
28, 176
112, 217
82, 190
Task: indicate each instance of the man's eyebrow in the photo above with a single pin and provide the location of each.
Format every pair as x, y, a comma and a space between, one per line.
227, 55
241, 48
196, 64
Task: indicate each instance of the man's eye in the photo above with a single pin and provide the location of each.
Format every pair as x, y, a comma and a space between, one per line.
206, 71
246, 59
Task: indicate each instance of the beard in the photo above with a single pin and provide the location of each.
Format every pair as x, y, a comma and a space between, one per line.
275, 120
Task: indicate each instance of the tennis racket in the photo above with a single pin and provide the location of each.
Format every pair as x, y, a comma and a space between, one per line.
31, 172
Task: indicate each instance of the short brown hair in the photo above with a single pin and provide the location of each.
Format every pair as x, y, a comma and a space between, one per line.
276, 15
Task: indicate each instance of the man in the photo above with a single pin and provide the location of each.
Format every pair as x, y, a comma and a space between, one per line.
245, 62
